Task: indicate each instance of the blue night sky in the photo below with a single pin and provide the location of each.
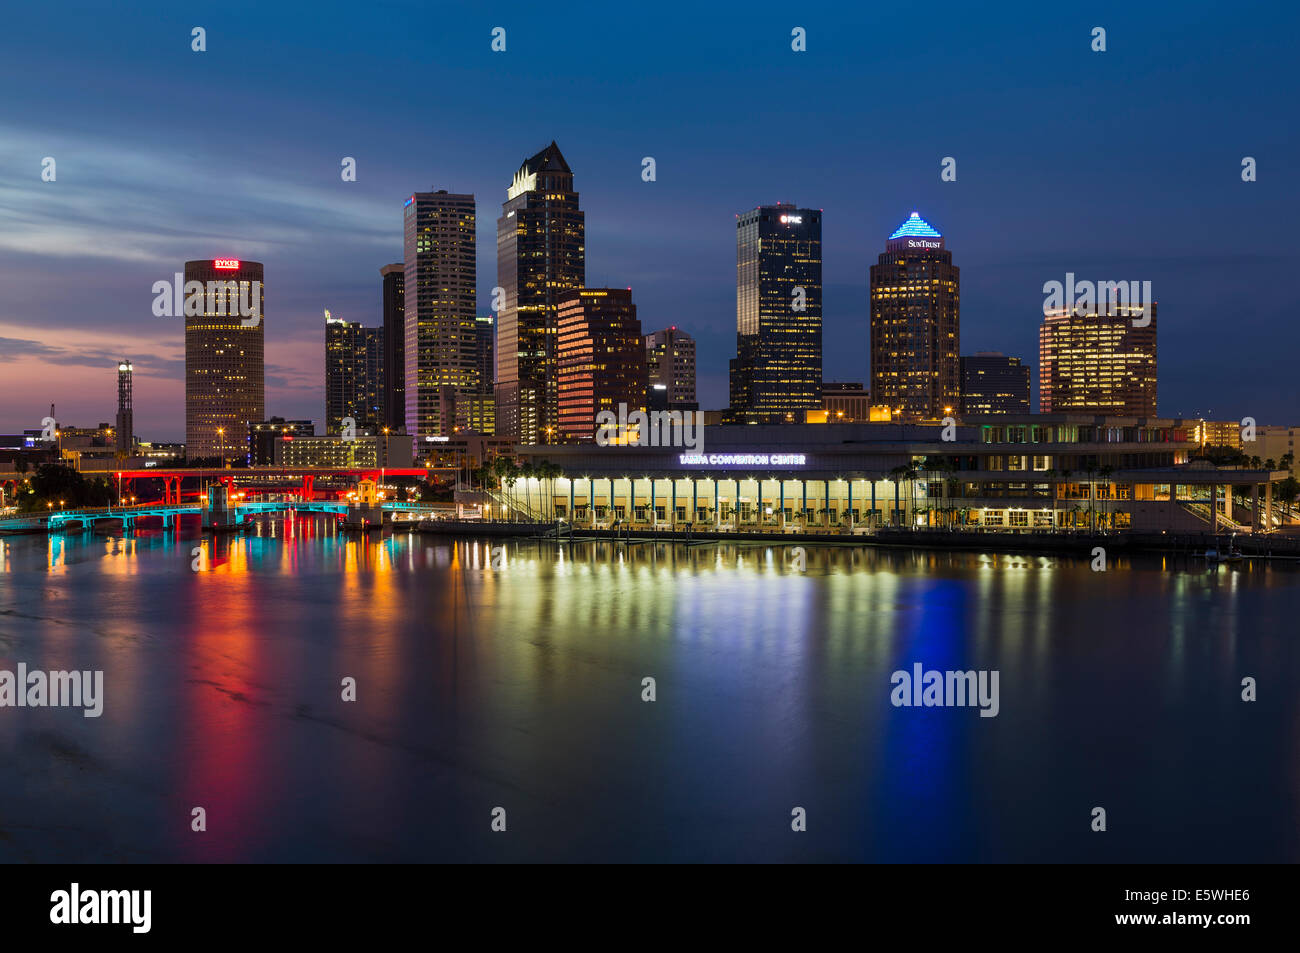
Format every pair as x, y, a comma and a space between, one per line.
1123, 165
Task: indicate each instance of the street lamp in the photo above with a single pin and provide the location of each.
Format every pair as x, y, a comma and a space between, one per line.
222, 432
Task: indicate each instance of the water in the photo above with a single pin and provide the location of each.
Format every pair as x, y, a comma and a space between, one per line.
522, 688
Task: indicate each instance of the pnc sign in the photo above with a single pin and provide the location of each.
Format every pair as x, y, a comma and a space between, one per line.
791, 219
226, 264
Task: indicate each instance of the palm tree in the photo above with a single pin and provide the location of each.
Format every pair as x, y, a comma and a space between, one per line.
1061, 475
550, 471
1050, 475
910, 473
1105, 473
509, 474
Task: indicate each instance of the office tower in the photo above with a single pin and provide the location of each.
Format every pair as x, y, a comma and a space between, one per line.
485, 351
224, 355
992, 383
1098, 363
670, 364
264, 434
600, 358
394, 300
846, 402
439, 286
354, 376
540, 257
125, 415
777, 371
1219, 433
916, 325
477, 412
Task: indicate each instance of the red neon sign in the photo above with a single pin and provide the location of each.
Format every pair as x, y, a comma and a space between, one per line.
226, 264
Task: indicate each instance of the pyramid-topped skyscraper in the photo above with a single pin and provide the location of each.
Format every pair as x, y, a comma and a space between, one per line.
916, 325
541, 257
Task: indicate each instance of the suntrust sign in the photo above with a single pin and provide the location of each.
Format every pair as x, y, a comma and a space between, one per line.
742, 459
923, 243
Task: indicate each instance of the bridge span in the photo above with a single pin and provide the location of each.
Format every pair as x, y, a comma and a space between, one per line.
229, 517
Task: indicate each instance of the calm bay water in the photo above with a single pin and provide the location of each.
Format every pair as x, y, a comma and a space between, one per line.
522, 688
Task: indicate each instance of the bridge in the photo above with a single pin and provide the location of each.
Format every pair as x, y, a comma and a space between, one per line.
299, 482
231, 517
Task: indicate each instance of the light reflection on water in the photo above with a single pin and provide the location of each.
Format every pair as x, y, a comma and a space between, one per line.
521, 687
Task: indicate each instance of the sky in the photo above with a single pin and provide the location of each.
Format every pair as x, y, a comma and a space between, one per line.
1116, 165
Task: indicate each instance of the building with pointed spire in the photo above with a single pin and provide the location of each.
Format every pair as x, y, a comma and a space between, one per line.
916, 325
541, 258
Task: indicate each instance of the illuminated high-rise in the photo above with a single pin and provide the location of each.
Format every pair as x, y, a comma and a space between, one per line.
992, 383
125, 414
541, 257
777, 371
354, 376
394, 304
224, 355
670, 362
1098, 360
439, 288
916, 325
600, 359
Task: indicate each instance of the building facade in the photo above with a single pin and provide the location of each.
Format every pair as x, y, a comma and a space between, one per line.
125, 413
224, 355
1274, 442
916, 325
541, 256
670, 368
354, 376
1013, 473
379, 450
777, 372
992, 383
600, 359
439, 305
1100, 361
846, 403
264, 434
394, 305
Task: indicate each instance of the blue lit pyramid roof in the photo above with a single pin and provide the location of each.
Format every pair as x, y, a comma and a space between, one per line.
915, 227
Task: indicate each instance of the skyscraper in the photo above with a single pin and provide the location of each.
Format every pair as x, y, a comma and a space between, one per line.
670, 362
485, 350
600, 358
777, 371
125, 415
394, 300
992, 383
354, 376
916, 325
224, 355
1098, 363
439, 285
540, 257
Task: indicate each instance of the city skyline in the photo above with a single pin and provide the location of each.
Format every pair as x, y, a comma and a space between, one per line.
134, 197
802, 434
